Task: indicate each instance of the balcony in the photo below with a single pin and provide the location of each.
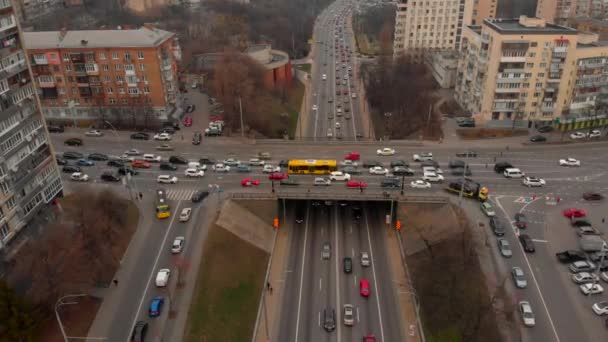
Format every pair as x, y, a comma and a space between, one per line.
92, 69
507, 90
167, 65
77, 58
47, 82
22, 172
5, 4
130, 72
512, 59
40, 60
13, 69
10, 19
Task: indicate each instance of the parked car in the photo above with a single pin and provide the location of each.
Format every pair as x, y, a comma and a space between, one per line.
79, 177
593, 196
527, 316
94, 133
538, 138
156, 306
167, 166
504, 248
591, 289
519, 278
569, 256
497, 226
70, 169
97, 156
527, 243
55, 129
110, 177
582, 266
196, 138
487, 209
140, 136
73, 142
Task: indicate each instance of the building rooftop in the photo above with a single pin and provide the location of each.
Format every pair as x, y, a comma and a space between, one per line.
142, 37
515, 26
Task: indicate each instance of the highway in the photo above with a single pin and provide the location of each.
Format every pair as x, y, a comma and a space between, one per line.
314, 284
332, 82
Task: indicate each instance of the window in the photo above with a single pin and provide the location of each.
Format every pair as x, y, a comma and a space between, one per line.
146, 90
61, 91
117, 67
66, 57
112, 100
102, 55
109, 90
530, 65
533, 44
121, 90
106, 67
119, 78
124, 101
539, 84
11, 203
129, 67
140, 55
107, 79
127, 56
142, 67
541, 74
68, 67
5, 188
114, 55
133, 91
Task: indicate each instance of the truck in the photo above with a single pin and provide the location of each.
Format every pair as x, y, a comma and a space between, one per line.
591, 243
469, 188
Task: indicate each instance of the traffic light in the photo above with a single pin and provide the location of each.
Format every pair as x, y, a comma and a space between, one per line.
275, 222
398, 225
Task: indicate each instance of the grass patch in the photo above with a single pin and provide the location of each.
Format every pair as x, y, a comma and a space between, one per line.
303, 67
226, 297
365, 46
488, 133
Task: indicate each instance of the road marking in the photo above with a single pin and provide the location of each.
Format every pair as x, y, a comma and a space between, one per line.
542, 299
358, 320
154, 266
320, 284
319, 319
337, 274
302, 276
371, 255
537, 240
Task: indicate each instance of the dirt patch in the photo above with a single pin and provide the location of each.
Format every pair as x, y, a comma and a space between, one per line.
487, 133
76, 319
451, 109
456, 303
265, 210
226, 297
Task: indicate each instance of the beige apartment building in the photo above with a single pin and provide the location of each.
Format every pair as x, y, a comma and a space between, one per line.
424, 26
483, 9
560, 11
514, 71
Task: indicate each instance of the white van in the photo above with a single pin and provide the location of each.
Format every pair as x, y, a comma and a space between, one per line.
162, 278
513, 173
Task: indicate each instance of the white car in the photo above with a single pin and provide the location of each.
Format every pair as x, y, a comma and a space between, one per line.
349, 163
436, 170
594, 134
126, 157
268, 168
423, 156
219, 167
378, 170
420, 184
162, 277
349, 317
232, 162
79, 177
577, 135
324, 77
256, 162
322, 181
151, 158
314, 107
184, 216
133, 152
178, 244
533, 182
432, 177
94, 133
353, 95
527, 316
600, 308
584, 277
569, 162
166, 179
194, 173
365, 261
386, 151
339, 176
589, 288
162, 136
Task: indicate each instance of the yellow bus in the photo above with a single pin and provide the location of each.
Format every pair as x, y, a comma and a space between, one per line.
311, 167
162, 206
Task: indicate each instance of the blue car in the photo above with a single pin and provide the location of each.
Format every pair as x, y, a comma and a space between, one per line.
243, 168
85, 162
156, 306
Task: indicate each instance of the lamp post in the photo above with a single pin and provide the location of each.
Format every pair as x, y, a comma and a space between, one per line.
402, 183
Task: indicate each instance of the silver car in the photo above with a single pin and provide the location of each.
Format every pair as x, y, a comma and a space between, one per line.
349, 317
519, 277
505, 248
322, 181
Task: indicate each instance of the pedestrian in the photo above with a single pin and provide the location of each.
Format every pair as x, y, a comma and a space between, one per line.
268, 285
271, 290
182, 137
486, 165
115, 282
507, 147
361, 189
501, 153
603, 219
141, 196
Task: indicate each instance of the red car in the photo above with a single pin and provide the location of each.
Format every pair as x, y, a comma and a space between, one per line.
188, 121
574, 212
353, 156
356, 184
141, 164
278, 176
369, 338
364, 287
249, 182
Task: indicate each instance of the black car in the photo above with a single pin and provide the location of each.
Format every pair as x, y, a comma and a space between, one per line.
348, 265
70, 169
56, 129
139, 332
171, 125
196, 138
61, 160
73, 142
497, 226
168, 130
570, 256
545, 129
431, 163
300, 213
199, 195
500, 167
329, 319
140, 136
401, 163
393, 183
73, 155
357, 212
178, 160
351, 170
538, 138
466, 154
371, 163
97, 156
402, 171
284, 163
190, 108
167, 166
521, 221
110, 177
456, 163
580, 223
593, 196
115, 163
207, 161
527, 243
461, 171
123, 170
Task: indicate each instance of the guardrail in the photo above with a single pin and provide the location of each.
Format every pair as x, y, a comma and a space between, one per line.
347, 196
344, 141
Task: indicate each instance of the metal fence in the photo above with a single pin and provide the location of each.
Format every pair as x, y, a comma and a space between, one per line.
347, 196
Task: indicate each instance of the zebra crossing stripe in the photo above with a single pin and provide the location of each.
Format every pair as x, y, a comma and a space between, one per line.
180, 195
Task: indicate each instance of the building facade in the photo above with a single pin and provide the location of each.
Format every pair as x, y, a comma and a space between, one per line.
29, 177
512, 72
425, 26
590, 25
105, 75
561, 11
28, 10
483, 9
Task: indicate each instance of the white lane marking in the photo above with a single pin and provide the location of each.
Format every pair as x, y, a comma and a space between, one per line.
302, 276
352, 252
542, 299
319, 319
538, 240
320, 284
339, 312
358, 320
154, 266
371, 255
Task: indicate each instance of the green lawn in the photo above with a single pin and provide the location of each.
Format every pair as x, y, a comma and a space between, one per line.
228, 288
294, 103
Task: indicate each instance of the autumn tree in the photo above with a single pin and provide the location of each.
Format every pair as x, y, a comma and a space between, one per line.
18, 319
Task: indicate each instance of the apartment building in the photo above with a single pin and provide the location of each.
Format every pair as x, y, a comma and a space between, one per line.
29, 177
560, 11
29, 10
483, 9
514, 71
105, 75
586, 24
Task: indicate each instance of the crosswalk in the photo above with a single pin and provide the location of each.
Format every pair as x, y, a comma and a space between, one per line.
180, 194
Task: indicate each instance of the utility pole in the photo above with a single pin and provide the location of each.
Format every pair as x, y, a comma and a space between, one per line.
241, 110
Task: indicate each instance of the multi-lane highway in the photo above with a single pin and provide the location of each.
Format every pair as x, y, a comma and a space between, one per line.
334, 112
315, 283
